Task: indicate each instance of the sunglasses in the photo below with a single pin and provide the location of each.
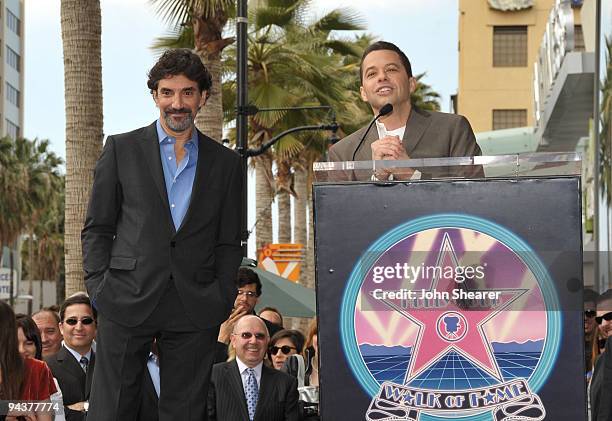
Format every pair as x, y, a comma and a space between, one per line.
73, 321
248, 335
607, 317
285, 349
589, 314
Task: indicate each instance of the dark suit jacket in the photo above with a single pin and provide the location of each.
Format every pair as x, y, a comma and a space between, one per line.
73, 381
601, 386
149, 401
278, 396
131, 248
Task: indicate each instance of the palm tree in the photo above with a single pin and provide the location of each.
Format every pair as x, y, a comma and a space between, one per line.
424, 97
200, 24
27, 172
293, 62
81, 33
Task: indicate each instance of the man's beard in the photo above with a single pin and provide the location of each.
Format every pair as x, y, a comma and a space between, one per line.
179, 126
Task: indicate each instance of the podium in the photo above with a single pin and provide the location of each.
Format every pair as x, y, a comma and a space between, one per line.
453, 292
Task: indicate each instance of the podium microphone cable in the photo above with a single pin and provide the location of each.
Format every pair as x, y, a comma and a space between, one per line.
386, 109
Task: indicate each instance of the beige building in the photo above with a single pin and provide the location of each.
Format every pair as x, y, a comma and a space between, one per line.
499, 41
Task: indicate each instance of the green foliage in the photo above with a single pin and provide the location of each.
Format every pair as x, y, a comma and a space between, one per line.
31, 188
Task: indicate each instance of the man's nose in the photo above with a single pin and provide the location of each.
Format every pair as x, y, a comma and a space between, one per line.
177, 101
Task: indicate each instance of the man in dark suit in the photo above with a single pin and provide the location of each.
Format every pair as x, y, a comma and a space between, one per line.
247, 390
73, 365
161, 247
407, 132
249, 289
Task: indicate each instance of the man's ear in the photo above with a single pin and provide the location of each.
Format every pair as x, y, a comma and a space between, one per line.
155, 98
413, 84
364, 98
205, 96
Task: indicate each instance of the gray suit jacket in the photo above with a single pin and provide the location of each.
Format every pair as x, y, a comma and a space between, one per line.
278, 395
428, 134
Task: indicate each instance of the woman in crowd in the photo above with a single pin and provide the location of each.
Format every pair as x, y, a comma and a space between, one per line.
28, 337
591, 331
283, 344
305, 368
601, 382
21, 378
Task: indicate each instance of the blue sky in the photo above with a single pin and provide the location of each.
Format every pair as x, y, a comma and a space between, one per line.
425, 30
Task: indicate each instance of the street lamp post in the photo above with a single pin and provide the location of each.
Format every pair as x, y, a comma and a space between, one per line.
243, 110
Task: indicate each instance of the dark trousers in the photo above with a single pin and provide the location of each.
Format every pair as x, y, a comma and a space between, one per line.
185, 356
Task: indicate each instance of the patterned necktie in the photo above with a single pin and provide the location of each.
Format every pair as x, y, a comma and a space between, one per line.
251, 392
84, 363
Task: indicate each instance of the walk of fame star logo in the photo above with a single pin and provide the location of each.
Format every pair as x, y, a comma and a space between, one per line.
396, 333
451, 326
455, 325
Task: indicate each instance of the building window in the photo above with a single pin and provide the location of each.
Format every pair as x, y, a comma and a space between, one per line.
13, 59
510, 46
13, 22
507, 119
578, 38
12, 129
12, 95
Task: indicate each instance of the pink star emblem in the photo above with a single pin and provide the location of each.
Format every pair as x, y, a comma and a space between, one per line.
452, 327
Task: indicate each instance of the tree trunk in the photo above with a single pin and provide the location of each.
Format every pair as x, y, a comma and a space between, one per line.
81, 32
30, 271
210, 117
11, 278
299, 212
284, 202
264, 194
309, 266
209, 43
284, 216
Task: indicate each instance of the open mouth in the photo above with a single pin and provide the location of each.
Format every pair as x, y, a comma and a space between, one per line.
384, 90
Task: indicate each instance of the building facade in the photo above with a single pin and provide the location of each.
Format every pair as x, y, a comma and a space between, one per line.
12, 48
499, 41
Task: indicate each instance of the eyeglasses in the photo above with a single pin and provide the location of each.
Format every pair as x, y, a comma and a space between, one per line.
248, 335
249, 294
589, 314
285, 349
73, 321
607, 317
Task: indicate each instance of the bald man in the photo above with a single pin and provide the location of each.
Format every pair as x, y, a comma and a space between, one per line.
246, 389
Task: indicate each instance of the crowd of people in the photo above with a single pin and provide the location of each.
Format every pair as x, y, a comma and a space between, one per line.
50, 358
598, 353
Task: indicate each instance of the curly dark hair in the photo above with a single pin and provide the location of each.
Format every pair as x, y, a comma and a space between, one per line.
179, 61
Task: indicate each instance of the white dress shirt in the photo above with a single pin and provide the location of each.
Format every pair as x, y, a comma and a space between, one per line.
244, 375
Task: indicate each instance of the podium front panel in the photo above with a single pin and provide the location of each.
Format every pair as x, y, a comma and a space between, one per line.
454, 299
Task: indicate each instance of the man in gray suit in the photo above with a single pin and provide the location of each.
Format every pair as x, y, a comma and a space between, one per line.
407, 132
246, 389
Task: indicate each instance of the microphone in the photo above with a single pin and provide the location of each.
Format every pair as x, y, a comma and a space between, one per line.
386, 109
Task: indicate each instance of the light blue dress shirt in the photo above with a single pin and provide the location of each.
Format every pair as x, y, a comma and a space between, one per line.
153, 367
179, 179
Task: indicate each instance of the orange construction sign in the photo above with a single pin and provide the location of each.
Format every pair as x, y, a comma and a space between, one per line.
282, 259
